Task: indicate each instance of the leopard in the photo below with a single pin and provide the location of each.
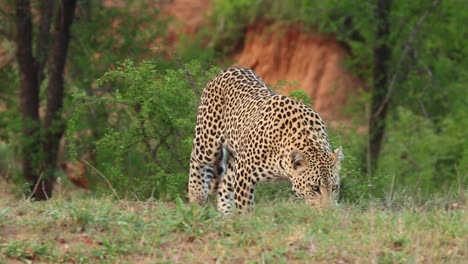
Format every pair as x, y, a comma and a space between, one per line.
246, 133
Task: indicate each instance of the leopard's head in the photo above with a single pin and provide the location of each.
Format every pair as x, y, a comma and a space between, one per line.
315, 176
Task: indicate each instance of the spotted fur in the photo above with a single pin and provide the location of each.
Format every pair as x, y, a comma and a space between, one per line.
246, 133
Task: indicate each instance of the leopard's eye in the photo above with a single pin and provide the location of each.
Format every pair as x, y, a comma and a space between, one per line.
315, 188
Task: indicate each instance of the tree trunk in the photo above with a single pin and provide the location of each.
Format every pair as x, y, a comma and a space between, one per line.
29, 98
40, 156
42, 44
53, 124
379, 106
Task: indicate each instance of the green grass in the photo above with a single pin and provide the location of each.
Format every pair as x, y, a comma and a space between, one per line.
102, 230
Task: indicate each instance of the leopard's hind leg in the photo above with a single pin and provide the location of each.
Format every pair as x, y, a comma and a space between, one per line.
225, 202
206, 157
204, 175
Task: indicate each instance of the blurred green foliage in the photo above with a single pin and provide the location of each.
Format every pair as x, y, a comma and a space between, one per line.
137, 118
425, 149
146, 145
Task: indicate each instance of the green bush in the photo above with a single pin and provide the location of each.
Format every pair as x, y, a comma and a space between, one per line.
423, 157
145, 150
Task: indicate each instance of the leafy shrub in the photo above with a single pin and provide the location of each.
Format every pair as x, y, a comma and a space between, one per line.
146, 146
424, 157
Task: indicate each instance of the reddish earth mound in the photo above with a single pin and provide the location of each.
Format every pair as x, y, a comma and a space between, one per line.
315, 61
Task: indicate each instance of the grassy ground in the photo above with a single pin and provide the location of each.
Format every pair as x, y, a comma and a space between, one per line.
104, 230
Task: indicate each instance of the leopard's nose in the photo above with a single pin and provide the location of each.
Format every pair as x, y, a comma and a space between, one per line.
326, 199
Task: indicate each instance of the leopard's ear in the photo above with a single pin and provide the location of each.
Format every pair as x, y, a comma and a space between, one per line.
338, 157
298, 159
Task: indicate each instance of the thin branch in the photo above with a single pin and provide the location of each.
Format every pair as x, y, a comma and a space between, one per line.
164, 143
407, 48
176, 157
155, 149
147, 143
36, 186
103, 176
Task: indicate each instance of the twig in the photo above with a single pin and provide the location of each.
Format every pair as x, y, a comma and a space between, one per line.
44, 191
37, 185
151, 150
103, 176
407, 48
164, 142
423, 108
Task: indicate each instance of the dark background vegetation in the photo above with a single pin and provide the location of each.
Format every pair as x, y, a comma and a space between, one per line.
104, 78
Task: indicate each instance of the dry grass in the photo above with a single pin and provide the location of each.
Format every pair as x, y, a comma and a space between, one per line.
104, 230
